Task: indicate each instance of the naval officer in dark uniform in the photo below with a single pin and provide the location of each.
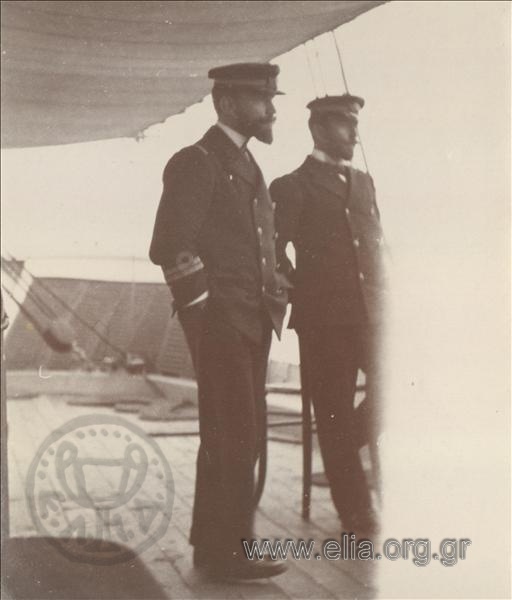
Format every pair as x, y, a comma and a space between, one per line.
214, 238
327, 210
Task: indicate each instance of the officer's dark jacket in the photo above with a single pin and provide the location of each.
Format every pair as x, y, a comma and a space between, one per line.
214, 232
335, 229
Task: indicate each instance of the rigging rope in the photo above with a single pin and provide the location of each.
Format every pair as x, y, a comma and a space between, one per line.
308, 60
57, 334
28, 290
46, 334
345, 83
73, 312
320, 70
338, 51
25, 312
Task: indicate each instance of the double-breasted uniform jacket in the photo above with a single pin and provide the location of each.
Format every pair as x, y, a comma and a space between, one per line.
214, 232
334, 224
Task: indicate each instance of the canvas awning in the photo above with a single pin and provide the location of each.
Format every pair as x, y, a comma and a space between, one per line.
82, 71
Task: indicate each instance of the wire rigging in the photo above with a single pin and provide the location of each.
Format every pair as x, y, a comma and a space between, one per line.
345, 83
28, 289
320, 69
28, 315
338, 51
72, 311
311, 72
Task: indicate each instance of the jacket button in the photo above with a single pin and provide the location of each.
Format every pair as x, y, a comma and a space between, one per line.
255, 202
260, 231
263, 261
356, 242
230, 177
263, 288
347, 211
276, 235
361, 276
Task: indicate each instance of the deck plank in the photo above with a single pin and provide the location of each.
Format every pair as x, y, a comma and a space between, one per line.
164, 559
170, 559
305, 579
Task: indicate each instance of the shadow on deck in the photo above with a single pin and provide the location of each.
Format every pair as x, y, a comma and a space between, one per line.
34, 569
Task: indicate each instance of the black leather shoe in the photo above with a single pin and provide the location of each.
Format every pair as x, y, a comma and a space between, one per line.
226, 569
364, 524
201, 557
244, 569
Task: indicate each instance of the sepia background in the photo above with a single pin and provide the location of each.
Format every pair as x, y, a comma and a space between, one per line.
436, 131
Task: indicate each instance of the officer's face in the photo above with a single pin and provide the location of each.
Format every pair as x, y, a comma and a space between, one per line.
339, 137
255, 113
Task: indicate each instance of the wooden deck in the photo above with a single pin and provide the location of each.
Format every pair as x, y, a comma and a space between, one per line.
169, 560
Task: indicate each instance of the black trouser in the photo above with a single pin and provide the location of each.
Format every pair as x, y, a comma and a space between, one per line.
334, 355
231, 373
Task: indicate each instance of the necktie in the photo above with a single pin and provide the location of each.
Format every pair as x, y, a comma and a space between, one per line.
341, 172
247, 154
253, 167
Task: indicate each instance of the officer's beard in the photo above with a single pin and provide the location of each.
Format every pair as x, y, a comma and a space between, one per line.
339, 151
261, 129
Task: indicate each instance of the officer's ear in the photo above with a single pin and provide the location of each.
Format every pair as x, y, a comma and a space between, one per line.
318, 128
227, 105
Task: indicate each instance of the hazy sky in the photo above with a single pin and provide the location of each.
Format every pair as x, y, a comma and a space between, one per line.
436, 129
434, 77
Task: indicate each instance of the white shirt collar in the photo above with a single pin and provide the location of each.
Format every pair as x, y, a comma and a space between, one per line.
325, 158
237, 138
